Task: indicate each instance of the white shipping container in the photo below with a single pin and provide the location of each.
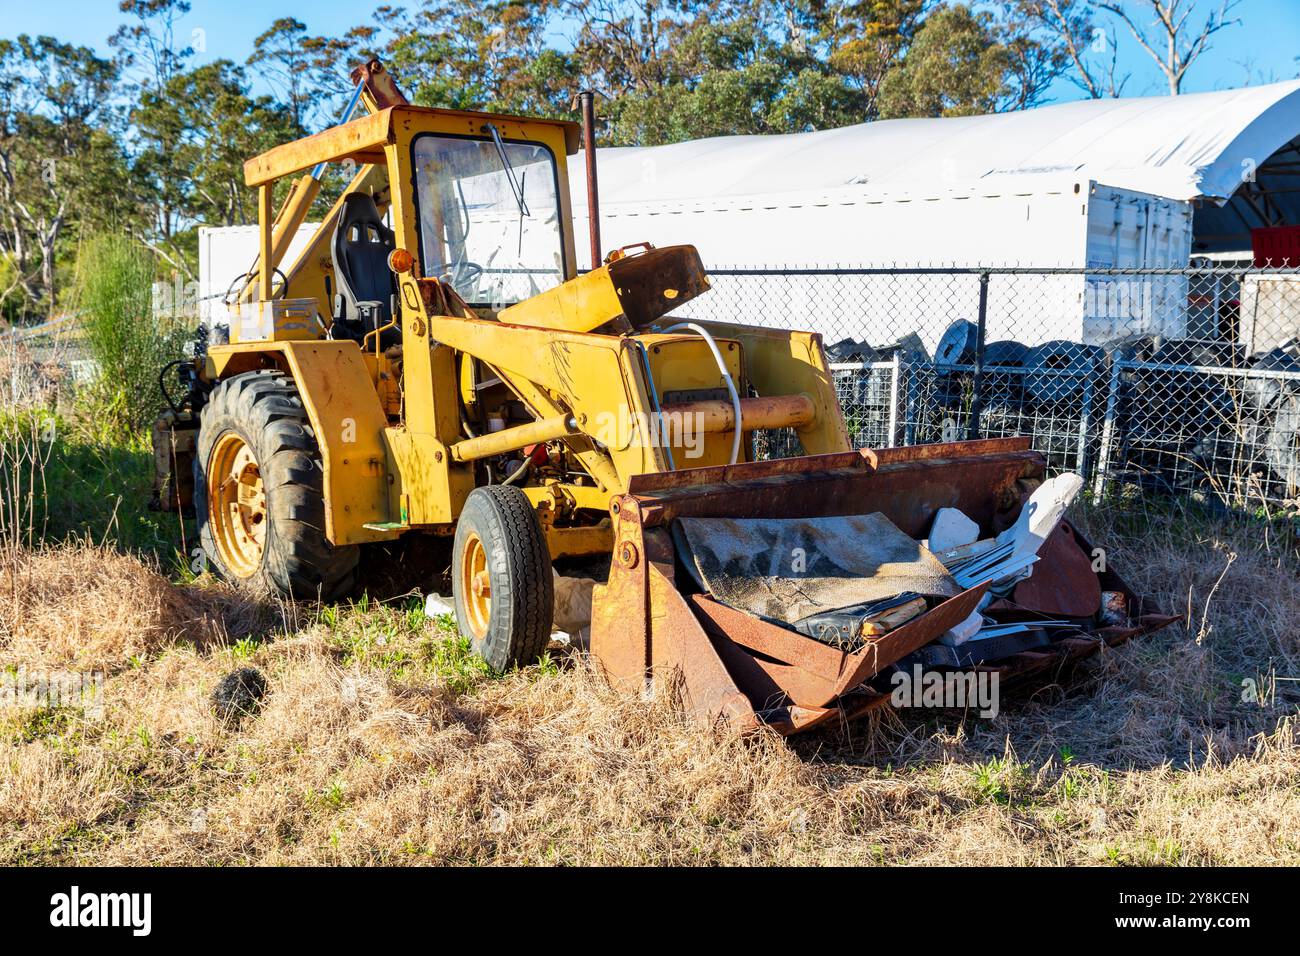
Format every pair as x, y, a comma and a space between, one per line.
226, 253
1051, 223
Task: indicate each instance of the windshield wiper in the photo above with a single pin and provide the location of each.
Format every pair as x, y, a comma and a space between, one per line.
515, 186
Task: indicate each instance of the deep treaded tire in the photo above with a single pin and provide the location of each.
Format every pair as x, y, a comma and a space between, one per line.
261, 415
501, 577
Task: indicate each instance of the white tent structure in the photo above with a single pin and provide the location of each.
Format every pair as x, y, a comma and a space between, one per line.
1230, 147
1135, 183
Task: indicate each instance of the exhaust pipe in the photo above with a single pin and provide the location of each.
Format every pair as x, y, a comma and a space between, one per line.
588, 100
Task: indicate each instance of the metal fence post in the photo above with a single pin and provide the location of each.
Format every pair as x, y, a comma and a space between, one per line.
1085, 420
1108, 429
977, 400
894, 369
910, 400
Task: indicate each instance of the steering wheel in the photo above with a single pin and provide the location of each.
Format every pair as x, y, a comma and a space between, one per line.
463, 272
247, 279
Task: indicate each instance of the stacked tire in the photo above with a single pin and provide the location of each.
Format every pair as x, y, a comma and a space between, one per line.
1274, 408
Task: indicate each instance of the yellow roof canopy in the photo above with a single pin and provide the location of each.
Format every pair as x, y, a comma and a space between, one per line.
363, 139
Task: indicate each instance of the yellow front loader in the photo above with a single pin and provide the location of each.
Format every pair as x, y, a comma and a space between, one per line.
433, 363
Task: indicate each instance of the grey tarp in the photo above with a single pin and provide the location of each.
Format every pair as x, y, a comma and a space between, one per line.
786, 569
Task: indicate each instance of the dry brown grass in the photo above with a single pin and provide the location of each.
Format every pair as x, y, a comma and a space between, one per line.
85, 608
381, 742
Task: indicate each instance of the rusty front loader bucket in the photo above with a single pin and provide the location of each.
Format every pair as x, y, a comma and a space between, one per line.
679, 611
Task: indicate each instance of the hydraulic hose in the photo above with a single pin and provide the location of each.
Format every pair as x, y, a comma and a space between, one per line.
726, 377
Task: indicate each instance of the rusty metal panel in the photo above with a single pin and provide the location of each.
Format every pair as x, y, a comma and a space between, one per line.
653, 283
1063, 582
770, 684
881, 457
379, 84
779, 643
712, 475
681, 654
908, 493
806, 663
620, 610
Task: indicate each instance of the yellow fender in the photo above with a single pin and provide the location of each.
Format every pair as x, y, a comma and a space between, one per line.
345, 411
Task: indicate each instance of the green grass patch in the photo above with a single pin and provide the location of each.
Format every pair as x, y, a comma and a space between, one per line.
71, 481
400, 639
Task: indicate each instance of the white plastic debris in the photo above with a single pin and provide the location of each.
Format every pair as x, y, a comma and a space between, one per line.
1016, 549
963, 632
436, 605
1042, 513
952, 529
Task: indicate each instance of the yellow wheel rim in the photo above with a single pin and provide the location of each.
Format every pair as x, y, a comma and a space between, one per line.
475, 586
237, 505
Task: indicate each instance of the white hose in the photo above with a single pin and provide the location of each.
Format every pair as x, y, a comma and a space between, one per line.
726, 377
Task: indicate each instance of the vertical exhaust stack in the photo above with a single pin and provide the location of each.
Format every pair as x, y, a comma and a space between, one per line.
587, 98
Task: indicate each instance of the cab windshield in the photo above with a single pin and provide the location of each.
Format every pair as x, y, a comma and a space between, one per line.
493, 233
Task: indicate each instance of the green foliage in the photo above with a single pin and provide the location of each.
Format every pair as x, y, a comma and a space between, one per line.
27, 725
405, 642
198, 130
125, 336
151, 142
62, 161
102, 479
684, 69
11, 293
243, 649
954, 67
1000, 780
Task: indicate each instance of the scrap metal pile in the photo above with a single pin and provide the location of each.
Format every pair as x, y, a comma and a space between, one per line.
944, 557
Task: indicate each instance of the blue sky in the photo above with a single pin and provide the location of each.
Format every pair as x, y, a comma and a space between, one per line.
1262, 49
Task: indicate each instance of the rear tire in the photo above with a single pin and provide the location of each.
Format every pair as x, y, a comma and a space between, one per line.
501, 577
269, 531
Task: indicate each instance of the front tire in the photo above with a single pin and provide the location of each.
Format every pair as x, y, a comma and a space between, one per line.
259, 492
501, 577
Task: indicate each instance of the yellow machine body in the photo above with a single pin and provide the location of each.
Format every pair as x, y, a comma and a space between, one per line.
613, 412
585, 351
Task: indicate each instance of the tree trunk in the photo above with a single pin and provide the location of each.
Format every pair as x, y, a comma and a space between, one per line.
49, 239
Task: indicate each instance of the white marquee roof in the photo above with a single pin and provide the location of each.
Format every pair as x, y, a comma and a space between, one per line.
1185, 147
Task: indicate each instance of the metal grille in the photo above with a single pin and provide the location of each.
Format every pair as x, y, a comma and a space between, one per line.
1182, 381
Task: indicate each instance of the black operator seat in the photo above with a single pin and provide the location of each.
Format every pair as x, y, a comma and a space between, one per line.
367, 289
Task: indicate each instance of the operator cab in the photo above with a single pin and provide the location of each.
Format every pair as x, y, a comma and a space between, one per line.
477, 202
489, 216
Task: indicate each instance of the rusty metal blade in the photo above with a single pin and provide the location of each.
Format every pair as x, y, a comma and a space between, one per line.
980, 481
678, 645
778, 643
769, 684
809, 664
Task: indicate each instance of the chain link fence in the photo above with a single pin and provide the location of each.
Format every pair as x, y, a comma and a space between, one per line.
1185, 381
